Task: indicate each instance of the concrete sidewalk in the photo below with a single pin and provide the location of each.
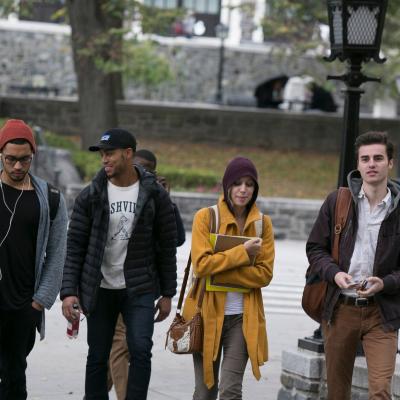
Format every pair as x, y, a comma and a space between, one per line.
56, 366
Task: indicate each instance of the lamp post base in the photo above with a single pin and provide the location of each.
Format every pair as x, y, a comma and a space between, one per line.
313, 343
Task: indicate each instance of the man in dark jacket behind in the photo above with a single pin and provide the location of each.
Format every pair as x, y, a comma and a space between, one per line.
363, 297
117, 222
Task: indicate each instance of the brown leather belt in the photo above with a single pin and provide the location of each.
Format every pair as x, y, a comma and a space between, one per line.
357, 301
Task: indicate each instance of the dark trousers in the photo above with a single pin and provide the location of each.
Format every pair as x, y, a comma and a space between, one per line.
17, 337
138, 315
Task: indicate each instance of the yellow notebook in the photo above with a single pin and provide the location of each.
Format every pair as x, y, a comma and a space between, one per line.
222, 243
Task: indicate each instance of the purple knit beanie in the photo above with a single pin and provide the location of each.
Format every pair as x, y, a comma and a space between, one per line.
236, 169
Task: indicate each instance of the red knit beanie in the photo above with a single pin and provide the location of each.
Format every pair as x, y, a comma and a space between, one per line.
16, 129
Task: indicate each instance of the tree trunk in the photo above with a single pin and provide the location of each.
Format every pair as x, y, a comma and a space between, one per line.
97, 93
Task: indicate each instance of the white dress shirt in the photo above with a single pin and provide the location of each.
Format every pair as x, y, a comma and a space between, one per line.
369, 224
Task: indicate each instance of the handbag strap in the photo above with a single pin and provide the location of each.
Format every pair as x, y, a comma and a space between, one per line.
184, 283
183, 287
214, 226
342, 209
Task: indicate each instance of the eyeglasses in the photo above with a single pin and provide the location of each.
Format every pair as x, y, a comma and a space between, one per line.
24, 161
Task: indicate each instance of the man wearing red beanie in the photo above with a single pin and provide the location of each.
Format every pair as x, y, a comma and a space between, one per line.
17, 129
32, 252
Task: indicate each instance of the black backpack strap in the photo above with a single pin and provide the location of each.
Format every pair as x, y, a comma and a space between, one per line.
54, 200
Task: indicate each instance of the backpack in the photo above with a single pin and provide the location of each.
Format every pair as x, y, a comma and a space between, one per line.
314, 292
53, 195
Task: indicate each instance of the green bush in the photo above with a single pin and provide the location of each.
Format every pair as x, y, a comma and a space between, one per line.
185, 178
64, 142
89, 163
157, 20
86, 162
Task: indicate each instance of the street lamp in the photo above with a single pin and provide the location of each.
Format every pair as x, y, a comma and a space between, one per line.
355, 35
221, 32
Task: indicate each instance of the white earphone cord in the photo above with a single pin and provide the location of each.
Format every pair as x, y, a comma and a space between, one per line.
12, 212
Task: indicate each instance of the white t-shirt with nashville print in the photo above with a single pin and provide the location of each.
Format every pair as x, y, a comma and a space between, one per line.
122, 202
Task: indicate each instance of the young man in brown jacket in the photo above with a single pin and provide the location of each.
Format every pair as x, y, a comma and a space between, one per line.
363, 297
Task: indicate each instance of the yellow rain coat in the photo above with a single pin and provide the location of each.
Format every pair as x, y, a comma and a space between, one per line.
231, 266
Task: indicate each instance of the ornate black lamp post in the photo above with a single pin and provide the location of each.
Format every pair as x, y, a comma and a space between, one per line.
221, 32
355, 34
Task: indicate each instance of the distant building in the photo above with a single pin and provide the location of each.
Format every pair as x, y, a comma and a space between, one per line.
243, 17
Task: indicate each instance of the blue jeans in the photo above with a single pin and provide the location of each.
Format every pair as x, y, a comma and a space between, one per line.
138, 316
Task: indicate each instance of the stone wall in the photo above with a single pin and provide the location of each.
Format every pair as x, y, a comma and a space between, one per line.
39, 54
291, 218
36, 57
270, 129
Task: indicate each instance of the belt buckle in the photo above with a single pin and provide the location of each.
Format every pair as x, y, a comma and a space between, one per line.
361, 302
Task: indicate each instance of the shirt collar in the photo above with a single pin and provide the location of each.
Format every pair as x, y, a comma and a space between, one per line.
385, 201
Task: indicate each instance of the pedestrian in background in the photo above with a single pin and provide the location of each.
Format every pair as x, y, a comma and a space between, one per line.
32, 253
112, 267
148, 160
363, 297
234, 322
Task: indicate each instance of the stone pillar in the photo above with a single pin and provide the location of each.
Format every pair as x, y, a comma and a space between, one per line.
302, 376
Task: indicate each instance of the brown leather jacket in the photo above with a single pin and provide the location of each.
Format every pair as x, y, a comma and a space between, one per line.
387, 256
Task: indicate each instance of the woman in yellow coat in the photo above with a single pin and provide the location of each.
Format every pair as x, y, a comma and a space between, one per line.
234, 322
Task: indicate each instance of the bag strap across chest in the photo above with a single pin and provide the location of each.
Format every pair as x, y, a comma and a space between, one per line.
342, 208
54, 200
215, 221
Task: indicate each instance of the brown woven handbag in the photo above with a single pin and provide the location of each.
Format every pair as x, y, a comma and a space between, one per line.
186, 337
314, 292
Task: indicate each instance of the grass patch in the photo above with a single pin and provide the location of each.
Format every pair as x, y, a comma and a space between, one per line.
189, 178
281, 174
200, 166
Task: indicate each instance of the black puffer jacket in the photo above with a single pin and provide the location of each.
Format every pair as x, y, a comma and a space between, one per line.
145, 268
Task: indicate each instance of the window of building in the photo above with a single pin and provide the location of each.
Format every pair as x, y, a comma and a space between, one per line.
197, 6
161, 3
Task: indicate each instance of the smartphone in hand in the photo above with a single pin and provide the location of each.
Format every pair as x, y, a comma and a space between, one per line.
358, 285
354, 285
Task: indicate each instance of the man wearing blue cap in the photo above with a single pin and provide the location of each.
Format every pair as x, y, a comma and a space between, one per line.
112, 266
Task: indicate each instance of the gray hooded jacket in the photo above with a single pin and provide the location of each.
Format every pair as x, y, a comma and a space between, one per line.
50, 249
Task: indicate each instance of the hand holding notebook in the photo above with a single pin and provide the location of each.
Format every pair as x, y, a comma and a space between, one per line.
253, 247
226, 242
